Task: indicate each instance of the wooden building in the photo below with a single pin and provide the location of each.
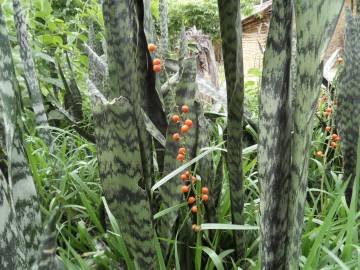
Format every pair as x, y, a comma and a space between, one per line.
255, 31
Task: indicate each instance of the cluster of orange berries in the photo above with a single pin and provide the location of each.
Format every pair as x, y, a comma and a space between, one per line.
186, 176
187, 124
328, 111
335, 139
156, 62
333, 144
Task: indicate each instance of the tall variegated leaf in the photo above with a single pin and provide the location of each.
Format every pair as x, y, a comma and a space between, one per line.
315, 24
164, 30
20, 218
10, 246
183, 52
206, 166
47, 259
72, 96
171, 195
275, 137
348, 111
154, 105
122, 139
125, 78
98, 68
149, 27
29, 71
151, 100
121, 172
231, 34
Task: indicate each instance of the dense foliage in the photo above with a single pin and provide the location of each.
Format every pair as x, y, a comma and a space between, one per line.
178, 177
203, 14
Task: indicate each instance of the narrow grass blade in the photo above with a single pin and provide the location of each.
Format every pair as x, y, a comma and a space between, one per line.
168, 210
218, 226
341, 264
183, 167
313, 254
214, 257
116, 229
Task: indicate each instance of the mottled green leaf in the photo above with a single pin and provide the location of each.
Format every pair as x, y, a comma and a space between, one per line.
121, 173
47, 259
185, 89
231, 34
29, 71
19, 210
205, 165
315, 24
275, 138
164, 30
152, 129
349, 99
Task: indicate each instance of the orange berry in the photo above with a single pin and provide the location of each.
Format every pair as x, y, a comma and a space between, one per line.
334, 136
182, 150
188, 122
191, 200
204, 190
194, 209
157, 68
152, 47
180, 157
327, 129
333, 144
195, 228
175, 118
185, 109
184, 129
339, 61
183, 177
193, 179
205, 197
319, 154
329, 110
156, 61
176, 136
187, 173
327, 114
185, 189
337, 139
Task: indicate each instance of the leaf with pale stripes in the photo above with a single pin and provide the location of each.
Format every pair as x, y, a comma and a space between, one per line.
349, 100
315, 24
181, 92
120, 168
20, 217
231, 34
164, 30
275, 137
30, 72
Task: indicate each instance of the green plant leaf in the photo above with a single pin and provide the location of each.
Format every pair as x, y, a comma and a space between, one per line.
183, 167
218, 226
29, 70
214, 257
231, 34
20, 219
